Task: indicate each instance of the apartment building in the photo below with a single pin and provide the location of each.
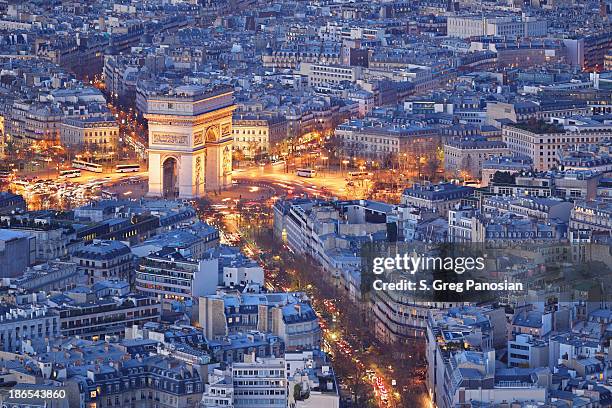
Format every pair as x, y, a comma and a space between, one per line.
538, 208
259, 383
541, 109
462, 366
593, 215
150, 381
171, 276
287, 315
254, 135
436, 197
541, 141
369, 140
51, 239
96, 318
53, 275
476, 26
292, 57
34, 322
34, 122
102, 260
320, 74
525, 351
466, 157
98, 135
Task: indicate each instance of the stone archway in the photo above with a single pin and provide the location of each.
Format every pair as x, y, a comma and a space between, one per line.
170, 178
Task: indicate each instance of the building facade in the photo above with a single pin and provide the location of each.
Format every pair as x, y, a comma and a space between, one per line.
97, 135
541, 142
254, 135
466, 157
104, 260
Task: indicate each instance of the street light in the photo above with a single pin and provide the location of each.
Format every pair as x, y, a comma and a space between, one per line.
345, 162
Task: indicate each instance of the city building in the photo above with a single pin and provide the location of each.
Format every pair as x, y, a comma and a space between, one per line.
254, 135
259, 383
386, 143
436, 197
540, 141
96, 318
536, 208
17, 252
507, 164
312, 381
97, 137
158, 380
33, 322
102, 260
466, 157
462, 366
287, 315
170, 276
52, 240
466, 26
50, 276
320, 74
591, 215
527, 352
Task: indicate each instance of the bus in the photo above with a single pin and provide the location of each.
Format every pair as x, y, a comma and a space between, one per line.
70, 173
127, 168
278, 163
357, 174
306, 172
108, 195
5, 174
89, 166
21, 183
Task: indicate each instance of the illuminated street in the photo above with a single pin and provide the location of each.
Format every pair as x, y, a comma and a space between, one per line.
364, 370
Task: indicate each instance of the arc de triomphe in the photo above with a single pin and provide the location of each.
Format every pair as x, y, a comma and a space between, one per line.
190, 141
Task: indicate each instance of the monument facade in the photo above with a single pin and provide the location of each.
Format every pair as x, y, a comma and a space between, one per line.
190, 141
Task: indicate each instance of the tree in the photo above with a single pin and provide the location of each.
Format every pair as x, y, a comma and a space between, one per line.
431, 167
238, 155
503, 177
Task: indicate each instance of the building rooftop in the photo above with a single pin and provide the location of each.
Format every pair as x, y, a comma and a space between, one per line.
102, 250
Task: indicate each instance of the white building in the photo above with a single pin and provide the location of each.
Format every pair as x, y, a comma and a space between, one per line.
260, 383
254, 135
541, 142
32, 322
97, 135
319, 74
170, 276
241, 273
477, 26
218, 393
526, 351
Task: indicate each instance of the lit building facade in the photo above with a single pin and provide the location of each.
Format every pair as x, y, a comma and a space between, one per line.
97, 134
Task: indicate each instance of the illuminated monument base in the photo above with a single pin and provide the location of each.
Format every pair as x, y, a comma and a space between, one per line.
190, 142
